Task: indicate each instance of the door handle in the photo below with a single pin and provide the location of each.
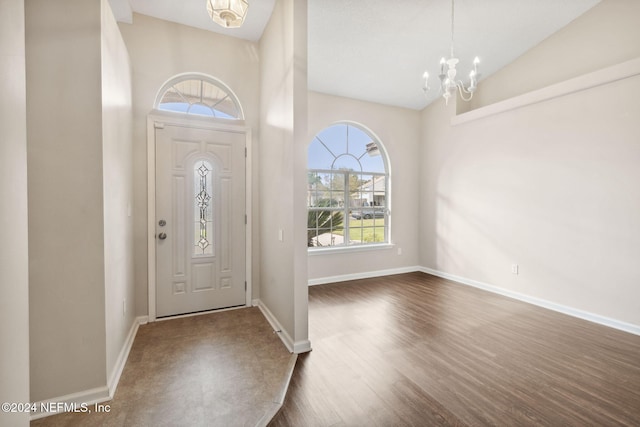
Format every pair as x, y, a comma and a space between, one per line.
162, 236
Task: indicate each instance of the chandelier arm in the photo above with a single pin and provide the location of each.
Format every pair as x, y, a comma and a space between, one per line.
461, 87
462, 91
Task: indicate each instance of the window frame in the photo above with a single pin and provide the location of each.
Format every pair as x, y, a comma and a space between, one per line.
347, 227
203, 78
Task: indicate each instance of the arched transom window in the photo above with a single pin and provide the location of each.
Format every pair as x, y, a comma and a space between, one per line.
200, 95
347, 197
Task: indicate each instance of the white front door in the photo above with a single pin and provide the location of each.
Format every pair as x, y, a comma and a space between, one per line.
200, 219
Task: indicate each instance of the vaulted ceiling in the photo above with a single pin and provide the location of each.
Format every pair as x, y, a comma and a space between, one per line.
376, 50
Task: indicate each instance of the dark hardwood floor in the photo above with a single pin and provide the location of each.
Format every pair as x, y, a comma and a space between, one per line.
414, 349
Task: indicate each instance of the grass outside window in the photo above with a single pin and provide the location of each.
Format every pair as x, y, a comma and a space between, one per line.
365, 230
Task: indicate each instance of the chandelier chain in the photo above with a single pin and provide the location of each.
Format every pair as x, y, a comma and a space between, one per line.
452, 11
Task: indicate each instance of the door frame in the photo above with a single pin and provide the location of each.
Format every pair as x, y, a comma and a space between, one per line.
157, 119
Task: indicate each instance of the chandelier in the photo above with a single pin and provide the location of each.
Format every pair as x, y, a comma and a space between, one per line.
228, 13
448, 82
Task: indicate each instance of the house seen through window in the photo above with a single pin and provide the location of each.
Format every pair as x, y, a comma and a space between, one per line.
347, 196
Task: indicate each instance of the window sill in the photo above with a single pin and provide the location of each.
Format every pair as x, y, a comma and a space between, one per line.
347, 249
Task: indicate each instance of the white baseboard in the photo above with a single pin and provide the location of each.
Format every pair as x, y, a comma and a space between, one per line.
296, 347
277, 327
114, 379
80, 400
86, 399
363, 275
300, 347
591, 317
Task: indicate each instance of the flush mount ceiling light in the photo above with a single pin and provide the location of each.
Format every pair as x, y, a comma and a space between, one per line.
448, 82
228, 13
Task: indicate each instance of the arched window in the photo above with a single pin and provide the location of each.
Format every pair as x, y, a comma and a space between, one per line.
200, 95
348, 182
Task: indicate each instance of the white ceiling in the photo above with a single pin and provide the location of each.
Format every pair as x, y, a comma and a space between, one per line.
377, 50
194, 14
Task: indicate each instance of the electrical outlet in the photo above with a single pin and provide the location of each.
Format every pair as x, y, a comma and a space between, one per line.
399, 251
514, 268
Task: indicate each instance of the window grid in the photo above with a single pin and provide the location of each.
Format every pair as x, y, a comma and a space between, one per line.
336, 195
347, 189
199, 96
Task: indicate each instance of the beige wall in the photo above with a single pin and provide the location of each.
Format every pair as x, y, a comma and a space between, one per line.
546, 186
160, 50
283, 129
66, 246
549, 186
604, 35
79, 180
118, 188
298, 15
14, 269
399, 132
